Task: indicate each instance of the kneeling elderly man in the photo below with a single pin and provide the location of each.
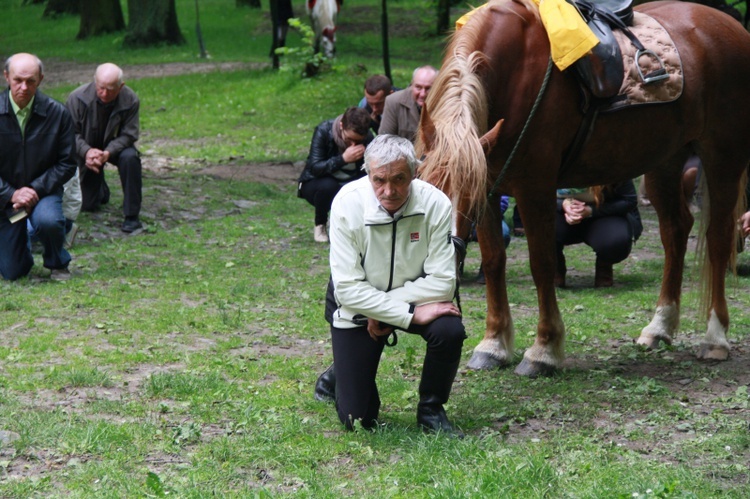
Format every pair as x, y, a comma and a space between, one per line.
392, 267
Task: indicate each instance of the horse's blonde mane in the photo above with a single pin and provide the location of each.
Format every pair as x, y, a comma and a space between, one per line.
457, 106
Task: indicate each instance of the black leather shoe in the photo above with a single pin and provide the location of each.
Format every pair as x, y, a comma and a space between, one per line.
432, 419
131, 224
325, 386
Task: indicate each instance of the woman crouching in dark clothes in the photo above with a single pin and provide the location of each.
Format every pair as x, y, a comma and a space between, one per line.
336, 157
604, 217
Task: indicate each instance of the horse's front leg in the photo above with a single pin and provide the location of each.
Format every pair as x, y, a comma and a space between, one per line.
675, 222
546, 355
496, 348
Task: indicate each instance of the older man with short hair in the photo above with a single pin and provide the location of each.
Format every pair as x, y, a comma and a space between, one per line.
392, 268
403, 108
36, 159
106, 117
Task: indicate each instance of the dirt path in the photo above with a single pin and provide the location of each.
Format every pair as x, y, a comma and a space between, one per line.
66, 72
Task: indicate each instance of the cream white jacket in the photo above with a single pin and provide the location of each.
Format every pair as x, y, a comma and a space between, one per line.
380, 265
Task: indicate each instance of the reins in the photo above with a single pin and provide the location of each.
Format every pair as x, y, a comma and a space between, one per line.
538, 100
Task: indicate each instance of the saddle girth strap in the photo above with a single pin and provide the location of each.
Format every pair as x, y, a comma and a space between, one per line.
582, 136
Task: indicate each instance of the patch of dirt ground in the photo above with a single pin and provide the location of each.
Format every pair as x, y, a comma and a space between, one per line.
66, 72
271, 173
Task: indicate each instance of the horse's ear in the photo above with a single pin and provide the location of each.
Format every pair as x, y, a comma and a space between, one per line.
489, 139
427, 129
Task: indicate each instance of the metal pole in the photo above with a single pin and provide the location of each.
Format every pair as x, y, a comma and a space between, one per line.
204, 54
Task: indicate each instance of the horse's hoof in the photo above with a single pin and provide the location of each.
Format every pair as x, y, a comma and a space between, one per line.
533, 369
482, 361
652, 342
712, 352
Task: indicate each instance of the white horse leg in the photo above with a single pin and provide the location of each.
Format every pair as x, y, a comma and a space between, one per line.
492, 353
662, 327
544, 358
715, 345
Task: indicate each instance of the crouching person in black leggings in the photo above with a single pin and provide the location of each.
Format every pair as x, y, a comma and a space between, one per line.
392, 268
605, 218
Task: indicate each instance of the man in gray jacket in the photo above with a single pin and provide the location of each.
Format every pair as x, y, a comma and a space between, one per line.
105, 114
403, 108
392, 267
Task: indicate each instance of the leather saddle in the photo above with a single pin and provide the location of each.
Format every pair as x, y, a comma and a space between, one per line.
602, 70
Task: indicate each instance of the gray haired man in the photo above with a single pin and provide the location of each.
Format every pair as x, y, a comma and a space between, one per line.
392, 268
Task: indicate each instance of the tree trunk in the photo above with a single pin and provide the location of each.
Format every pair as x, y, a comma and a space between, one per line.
249, 3
443, 16
152, 22
60, 7
99, 17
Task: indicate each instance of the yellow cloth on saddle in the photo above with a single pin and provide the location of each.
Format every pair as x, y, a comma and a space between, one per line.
569, 36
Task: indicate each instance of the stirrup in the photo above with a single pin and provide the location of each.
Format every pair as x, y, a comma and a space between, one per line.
654, 76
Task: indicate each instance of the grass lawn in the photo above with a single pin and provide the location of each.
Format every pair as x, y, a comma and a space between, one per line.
180, 361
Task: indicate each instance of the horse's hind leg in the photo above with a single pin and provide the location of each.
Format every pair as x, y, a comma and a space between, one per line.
724, 188
664, 190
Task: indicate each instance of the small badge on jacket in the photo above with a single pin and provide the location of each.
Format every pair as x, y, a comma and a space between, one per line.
415, 237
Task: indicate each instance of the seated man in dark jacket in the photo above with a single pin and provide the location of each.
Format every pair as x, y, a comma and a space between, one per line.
107, 124
37, 144
335, 158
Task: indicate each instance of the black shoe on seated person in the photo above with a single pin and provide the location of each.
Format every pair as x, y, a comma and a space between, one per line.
131, 224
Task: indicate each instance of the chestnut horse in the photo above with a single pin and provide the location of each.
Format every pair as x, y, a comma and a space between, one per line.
479, 113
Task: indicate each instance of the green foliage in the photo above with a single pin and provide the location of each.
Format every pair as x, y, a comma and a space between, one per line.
79, 377
185, 434
303, 59
666, 491
155, 485
230, 34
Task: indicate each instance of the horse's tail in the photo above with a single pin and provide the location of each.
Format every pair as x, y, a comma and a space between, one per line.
456, 110
706, 270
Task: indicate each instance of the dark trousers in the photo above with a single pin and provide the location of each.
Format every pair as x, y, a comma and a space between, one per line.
356, 357
48, 224
517, 222
95, 191
320, 192
611, 238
